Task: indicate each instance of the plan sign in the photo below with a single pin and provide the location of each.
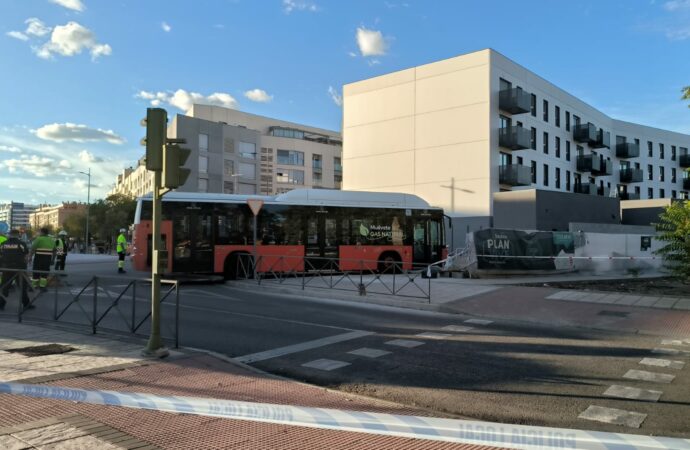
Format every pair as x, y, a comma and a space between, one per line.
521, 250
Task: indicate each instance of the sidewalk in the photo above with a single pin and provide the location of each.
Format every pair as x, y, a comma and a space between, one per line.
98, 363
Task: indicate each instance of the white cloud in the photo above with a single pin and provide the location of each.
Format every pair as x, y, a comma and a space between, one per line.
678, 34
88, 157
373, 62
60, 132
335, 96
258, 95
71, 39
299, 5
74, 5
17, 35
9, 148
184, 100
36, 27
675, 5
166, 27
371, 42
39, 166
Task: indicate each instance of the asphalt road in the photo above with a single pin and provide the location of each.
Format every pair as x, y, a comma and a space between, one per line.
503, 372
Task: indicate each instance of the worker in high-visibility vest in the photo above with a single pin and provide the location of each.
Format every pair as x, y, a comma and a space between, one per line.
3, 238
42, 250
61, 250
121, 251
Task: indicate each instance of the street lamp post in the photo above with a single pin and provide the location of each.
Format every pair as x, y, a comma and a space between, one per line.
88, 206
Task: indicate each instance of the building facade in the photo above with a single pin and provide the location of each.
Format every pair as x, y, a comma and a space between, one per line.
16, 214
459, 130
134, 182
54, 216
237, 152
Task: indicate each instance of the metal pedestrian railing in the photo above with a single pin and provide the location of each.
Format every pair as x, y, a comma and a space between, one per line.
104, 303
365, 277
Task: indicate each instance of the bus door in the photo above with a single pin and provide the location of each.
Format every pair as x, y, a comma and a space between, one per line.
321, 244
192, 239
426, 242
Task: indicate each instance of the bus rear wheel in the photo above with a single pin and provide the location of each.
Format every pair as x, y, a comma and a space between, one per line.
238, 265
390, 262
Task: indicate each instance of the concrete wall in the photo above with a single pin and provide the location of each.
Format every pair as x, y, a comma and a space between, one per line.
600, 245
516, 210
643, 212
458, 228
610, 228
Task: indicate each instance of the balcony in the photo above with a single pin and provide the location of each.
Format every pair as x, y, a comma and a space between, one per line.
605, 167
514, 101
588, 163
514, 138
585, 188
627, 150
515, 175
628, 196
603, 139
585, 132
686, 183
604, 191
684, 160
631, 175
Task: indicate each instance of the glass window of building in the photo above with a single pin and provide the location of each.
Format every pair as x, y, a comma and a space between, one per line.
337, 164
558, 147
316, 178
533, 107
546, 143
228, 167
650, 149
576, 119
203, 142
246, 189
317, 161
228, 187
290, 157
567, 121
533, 139
546, 174
673, 174
661, 150
567, 180
662, 193
567, 150
203, 164
661, 173
247, 171
248, 150
545, 107
203, 185
673, 153
534, 171
558, 178
557, 115
290, 176
650, 172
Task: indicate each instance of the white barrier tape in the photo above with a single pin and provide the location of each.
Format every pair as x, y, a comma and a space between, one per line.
567, 257
448, 430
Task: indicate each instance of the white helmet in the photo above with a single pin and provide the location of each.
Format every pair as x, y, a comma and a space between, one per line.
122, 230
62, 233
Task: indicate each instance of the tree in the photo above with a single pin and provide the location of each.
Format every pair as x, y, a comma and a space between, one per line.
75, 224
686, 94
674, 231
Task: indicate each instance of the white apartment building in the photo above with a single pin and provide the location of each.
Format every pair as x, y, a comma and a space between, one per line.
459, 130
16, 214
134, 182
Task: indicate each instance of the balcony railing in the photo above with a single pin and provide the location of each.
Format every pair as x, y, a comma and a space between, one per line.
684, 160
686, 183
604, 191
627, 150
515, 175
514, 101
585, 132
603, 139
588, 163
514, 138
338, 168
585, 188
631, 175
628, 196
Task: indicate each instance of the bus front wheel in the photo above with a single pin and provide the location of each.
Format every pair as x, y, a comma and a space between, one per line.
238, 265
390, 262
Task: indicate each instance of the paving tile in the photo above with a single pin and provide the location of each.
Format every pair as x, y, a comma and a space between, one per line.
628, 299
632, 393
47, 435
615, 416
81, 443
325, 364
662, 363
479, 321
665, 303
611, 298
560, 295
405, 343
646, 301
430, 335
457, 328
369, 352
683, 304
8, 442
644, 375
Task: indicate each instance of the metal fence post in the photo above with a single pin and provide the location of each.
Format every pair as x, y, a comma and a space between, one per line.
22, 286
429, 291
55, 303
95, 302
177, 315
134, 304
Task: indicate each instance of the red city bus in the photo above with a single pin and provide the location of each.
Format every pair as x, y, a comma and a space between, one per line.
208, 233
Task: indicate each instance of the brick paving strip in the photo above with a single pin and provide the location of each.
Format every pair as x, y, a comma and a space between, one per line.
186, 374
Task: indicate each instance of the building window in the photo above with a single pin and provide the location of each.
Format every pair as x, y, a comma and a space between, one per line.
567, 121
316, 178
287, 132
203, 142
316, 162
662, 194
673, 174
534, 172
203, 164
576, 119
546, 110
650, 193
247, 171
290, 158
533, 139
546, 174
650, 149
674, 194
567, 150
519, 160
558, 147
558, 178
661, 173
567, 180
203, 185
290, 176
533, 107
673, 153
557, 115
228, 187
248, 150
650, 172
337, 164
228, 167
661, 150
580, 150
546, 143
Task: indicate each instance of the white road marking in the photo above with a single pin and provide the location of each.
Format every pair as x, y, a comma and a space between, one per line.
671, 342
404, 343
633, 393
614, 416
433, 335
479, 321
669, 351
212, 294
662, 363
457, 328
325, 364
649, 376
369, 352
296, 348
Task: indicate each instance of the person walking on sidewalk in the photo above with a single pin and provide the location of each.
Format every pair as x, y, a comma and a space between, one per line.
121, 251
42, 250
60, 251
13, 255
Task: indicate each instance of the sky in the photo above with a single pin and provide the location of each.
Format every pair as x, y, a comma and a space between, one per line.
76, 76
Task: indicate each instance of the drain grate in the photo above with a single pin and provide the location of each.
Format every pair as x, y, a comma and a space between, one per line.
606, 312
42, 350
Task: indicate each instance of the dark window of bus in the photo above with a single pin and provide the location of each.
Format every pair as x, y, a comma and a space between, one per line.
233, 225
380, 227
281, 225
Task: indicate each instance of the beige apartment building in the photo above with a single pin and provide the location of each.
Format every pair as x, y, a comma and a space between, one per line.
54, 216
134, 182
457, 131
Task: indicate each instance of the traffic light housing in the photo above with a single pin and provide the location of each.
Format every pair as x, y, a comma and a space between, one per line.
156, 124
174, 157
